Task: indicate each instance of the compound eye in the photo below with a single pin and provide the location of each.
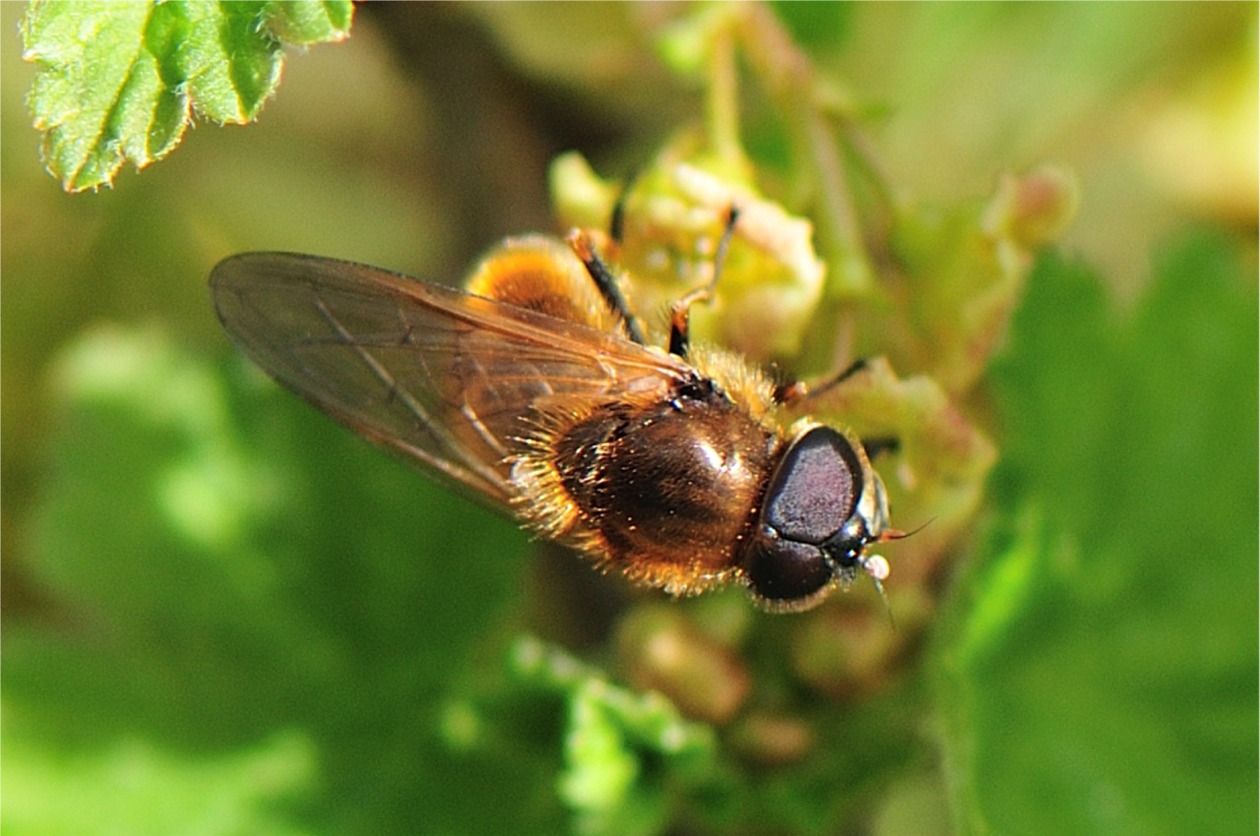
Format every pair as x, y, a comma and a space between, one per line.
784, 574
814, 489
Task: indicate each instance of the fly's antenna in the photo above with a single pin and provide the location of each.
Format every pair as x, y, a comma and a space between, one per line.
894, 534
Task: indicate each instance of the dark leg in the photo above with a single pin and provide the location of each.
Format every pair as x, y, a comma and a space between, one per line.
617, 223
853, 368
876, 447
605, 282
603, 277
796, 390
680, 312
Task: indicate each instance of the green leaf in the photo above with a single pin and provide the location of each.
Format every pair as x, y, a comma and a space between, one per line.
625, 752
254, 604
818, 27
309, 23
1098, 669
119, 82
137, 787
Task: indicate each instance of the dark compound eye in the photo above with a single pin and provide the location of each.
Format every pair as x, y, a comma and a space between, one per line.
784, 573
810, 498
815, 487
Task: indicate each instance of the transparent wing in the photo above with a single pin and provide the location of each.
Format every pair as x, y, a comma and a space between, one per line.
443, 376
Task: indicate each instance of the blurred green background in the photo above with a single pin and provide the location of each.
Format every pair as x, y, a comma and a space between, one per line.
223, 614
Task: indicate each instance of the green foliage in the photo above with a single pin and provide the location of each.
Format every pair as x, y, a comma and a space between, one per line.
611, 739
133, 786
120, 82
244, 620
1098, 668
225, 619
818, 27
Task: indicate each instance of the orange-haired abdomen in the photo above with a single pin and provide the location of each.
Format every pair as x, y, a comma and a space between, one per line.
542, 274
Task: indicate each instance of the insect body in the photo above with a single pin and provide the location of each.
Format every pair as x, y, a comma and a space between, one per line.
534, 391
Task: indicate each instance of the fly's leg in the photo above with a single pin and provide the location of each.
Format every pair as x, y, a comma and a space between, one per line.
680, 311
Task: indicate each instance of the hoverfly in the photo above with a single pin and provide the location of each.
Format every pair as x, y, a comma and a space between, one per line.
535, 390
